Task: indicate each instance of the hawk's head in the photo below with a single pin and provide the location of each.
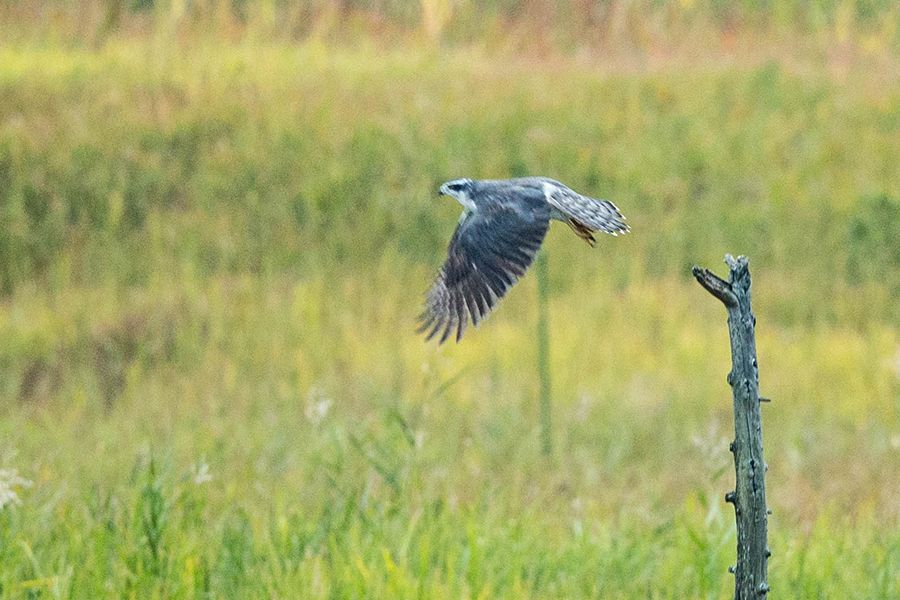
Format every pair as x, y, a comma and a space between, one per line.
461, 189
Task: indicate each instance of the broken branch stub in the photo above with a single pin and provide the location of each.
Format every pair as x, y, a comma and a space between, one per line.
749, 495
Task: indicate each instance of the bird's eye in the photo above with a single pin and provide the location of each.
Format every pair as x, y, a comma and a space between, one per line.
455, 187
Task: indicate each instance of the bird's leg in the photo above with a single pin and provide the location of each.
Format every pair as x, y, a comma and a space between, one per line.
582, 231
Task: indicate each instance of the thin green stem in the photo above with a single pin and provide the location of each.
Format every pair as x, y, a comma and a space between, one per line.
543, 341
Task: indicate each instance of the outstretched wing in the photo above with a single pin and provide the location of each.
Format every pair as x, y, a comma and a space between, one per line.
490, 250
597, 215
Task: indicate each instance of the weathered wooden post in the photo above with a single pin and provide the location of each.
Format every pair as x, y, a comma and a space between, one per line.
749, 495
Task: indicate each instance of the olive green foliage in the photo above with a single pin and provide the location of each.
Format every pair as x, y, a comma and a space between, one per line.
561, 24
211, 259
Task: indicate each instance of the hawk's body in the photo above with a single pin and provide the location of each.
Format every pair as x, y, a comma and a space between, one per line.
503, 224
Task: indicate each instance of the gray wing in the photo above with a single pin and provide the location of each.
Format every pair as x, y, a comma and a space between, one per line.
598, 215
490, 250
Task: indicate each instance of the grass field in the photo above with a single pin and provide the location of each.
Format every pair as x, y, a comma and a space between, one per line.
211, 259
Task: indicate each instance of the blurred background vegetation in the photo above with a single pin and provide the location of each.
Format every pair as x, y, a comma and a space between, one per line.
217, 220
552, 25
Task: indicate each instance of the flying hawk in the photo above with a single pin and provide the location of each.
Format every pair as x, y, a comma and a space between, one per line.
499, 232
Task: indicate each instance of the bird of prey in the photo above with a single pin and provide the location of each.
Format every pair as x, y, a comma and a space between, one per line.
499, 233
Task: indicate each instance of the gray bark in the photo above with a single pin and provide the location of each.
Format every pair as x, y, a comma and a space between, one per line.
749, 495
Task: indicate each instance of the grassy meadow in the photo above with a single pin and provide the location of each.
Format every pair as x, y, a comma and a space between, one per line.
213, 251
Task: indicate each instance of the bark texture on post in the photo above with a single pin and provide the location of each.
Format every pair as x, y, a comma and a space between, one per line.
749, 495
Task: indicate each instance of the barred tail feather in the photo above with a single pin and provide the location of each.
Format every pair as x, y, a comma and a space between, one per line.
592, 213
601, 215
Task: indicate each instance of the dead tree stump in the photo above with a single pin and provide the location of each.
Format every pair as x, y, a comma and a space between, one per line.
749, 495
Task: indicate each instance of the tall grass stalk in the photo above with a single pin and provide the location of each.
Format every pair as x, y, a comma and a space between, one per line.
543, 343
